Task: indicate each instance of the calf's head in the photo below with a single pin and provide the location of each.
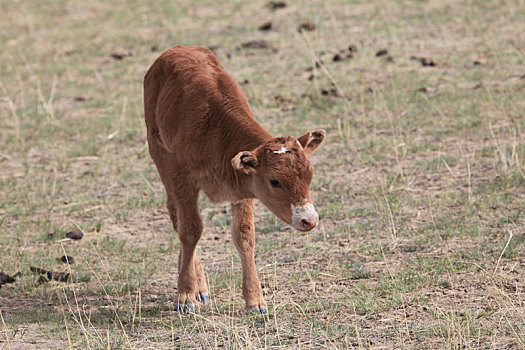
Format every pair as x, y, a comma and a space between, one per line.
280, 174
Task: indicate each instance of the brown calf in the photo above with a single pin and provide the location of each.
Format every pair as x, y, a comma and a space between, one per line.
202, 136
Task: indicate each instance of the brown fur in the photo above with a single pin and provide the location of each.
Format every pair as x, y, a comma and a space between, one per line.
202, 136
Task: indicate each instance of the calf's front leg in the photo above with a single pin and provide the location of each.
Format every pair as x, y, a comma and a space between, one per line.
243, 234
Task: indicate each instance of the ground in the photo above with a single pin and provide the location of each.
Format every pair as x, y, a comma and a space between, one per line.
420, 183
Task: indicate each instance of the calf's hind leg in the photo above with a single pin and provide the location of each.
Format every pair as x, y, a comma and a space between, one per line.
191, 283
191, 274
203, 295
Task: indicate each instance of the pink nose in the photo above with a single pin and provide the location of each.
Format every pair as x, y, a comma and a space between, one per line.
308, 224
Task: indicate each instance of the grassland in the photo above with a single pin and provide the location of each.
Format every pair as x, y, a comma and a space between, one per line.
420, 183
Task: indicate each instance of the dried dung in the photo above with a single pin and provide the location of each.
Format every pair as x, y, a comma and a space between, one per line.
266, 26
274, 5
52, 275
5, 278
75, 235
67, 259
120, 56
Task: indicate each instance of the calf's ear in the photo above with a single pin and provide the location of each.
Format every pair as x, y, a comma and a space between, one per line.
245, 161
311, 140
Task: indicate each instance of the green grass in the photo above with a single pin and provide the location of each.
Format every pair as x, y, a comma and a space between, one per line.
420, 182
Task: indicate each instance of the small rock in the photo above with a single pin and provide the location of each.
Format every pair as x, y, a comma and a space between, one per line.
75, 235
79, 98
352, 49
154, 48
309, 26
381, 52
266, 26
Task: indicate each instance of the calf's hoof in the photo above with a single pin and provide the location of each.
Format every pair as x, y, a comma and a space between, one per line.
185, 308
202, 298
261, 309
187, 304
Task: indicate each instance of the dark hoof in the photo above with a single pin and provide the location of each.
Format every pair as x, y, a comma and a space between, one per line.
258, 310
204, 298
185, 308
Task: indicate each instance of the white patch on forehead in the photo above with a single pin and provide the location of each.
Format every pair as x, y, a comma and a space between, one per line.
299, 143
281, 151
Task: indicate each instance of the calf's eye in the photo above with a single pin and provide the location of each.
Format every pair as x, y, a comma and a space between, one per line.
275, 183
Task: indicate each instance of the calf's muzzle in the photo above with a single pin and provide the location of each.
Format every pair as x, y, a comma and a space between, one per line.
304, 217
